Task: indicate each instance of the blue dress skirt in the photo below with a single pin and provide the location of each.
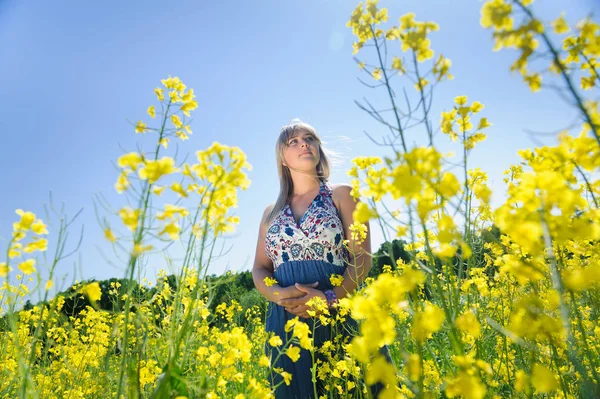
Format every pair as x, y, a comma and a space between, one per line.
301, 386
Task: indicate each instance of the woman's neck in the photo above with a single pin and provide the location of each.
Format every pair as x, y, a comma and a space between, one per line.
305, 185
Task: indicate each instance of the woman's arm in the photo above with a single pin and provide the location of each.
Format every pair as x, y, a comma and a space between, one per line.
360, 260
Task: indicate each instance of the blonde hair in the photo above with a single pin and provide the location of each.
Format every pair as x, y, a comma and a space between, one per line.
286, 184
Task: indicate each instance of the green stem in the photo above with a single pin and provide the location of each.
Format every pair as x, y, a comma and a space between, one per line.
590, 65
587, 184
138, 235
565, 75
422, 93
389, 90
572, 355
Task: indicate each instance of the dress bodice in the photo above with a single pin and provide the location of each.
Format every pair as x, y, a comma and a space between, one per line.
318, 235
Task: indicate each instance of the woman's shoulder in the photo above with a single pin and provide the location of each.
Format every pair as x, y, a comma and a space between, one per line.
340, 192
266, 213
340, 188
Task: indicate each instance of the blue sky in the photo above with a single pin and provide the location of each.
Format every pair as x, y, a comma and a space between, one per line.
72, 73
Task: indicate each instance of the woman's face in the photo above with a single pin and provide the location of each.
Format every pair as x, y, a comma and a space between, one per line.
301, 151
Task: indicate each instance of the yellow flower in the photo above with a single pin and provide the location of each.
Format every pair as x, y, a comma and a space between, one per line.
189, 96
397, 65
154, 170
483, 123
108, 234
578, 279
293, 352
176, 121
426, 322
420, 85
140, 249
130, 217
441, 68
476, 107
362, 213
18, 235
172, 229
302, 332
376, 74
315, 304
15, 250
496, 13
27, 219
173, 83
358, 232
151, 111
521, 381
4, 269
560, 25
92, 291
122, 183
269, 281
264, 361
38, 227
182, 135
289, 325
380, 371
287, 377
275, 340
543, 379
474, 139
49, 284
159, 93
467, 386
140, 127
336, 280
534, 81
449, 185
188, 106
172, 212
38, 244
27, 267
460, 100
176, 187
157, 190
588, 82
468, 323
130, 160
413, 367
364, 162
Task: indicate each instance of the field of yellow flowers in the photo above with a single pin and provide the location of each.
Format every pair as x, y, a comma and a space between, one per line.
516, 317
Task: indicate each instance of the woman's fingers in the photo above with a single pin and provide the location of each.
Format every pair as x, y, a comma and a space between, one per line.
290, 292
306, 287
291, 302
309, 292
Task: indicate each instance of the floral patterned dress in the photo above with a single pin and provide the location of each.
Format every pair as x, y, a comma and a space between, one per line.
318, 235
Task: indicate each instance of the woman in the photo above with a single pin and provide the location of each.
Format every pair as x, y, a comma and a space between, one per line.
300, 244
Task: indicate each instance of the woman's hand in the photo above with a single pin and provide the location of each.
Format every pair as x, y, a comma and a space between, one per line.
297, 306
291, 292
